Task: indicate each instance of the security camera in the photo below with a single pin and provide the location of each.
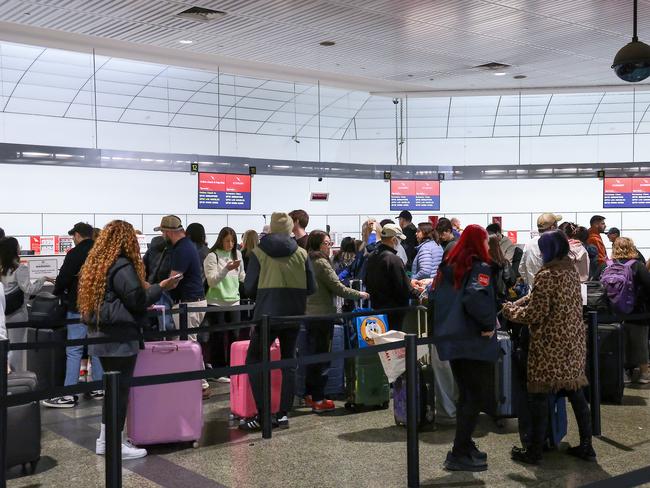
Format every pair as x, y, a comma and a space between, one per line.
395, 101
320, 178
632, 62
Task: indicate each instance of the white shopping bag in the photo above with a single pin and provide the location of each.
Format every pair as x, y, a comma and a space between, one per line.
394, 361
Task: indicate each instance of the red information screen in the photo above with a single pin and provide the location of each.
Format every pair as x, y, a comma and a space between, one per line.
224, 191
414, 195
626, 192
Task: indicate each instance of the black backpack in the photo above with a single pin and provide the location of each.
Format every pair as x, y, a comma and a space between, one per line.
14, 300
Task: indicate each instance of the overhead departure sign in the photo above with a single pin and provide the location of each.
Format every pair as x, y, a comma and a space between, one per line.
626, 192
224, 191
414, 195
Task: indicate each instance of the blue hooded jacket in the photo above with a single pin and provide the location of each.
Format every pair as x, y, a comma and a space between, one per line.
461, 315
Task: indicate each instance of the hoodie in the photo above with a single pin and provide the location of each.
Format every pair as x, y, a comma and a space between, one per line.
279, 277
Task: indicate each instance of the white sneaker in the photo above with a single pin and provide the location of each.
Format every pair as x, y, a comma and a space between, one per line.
204, 385
626, 378
129, 451
223, 379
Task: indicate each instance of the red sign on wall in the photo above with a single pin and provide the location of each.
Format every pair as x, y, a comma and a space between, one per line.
512, 235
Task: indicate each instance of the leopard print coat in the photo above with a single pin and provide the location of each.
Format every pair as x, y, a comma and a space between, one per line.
558, 342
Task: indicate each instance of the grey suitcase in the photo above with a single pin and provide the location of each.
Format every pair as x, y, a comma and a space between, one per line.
47, 363
502, 383
23, 423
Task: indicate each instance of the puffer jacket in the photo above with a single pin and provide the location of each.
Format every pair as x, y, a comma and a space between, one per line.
427, 260
279, 277
553, 314
460, 315
329, 286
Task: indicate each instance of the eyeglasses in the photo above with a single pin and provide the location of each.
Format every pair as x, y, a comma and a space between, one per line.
328, 243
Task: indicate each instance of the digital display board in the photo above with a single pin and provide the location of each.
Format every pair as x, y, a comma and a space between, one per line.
224, 191
414, 195
626, 192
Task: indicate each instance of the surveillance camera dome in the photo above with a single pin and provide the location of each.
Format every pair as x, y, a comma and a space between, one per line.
632, 62
395, 101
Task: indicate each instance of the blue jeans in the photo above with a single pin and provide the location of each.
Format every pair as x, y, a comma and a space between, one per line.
74, 354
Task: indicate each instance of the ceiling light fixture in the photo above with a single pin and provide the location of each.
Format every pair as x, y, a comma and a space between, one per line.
519, 77
632, 61
327, 43
500, 73
186, 41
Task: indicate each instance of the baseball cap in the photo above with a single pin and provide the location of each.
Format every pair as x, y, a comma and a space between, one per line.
169, 222
405, 214
392, 230
613, 230
82, 228
547, 220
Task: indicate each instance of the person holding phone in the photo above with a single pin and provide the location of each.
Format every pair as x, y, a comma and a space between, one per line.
224, 271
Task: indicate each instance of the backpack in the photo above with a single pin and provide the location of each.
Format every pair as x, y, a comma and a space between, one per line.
597, 299
618, 280
14, 300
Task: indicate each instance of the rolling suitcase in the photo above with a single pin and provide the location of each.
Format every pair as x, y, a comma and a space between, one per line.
502, 382
335, 386
426, 407
171, 412
23, 423
48, 364
366, 382
242, 402
611, 354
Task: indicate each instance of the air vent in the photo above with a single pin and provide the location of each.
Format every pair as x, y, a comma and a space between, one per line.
200, 14
492, 66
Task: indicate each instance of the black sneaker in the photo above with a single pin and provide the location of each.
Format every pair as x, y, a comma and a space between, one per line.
525, 456
282, 420
60, 402
97, 394
464, 463
583, 451
251, 425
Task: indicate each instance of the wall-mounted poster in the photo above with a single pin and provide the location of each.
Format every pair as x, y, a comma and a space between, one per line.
224, 191
626, 192
414, 195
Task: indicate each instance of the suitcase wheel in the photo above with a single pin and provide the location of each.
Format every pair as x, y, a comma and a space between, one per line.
397, 422
430, 415
33, 465
384, 405
195, 444
352, 407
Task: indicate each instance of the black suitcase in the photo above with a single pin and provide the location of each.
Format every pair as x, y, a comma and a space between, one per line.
23, 423
48, 363
611, 352
502, 385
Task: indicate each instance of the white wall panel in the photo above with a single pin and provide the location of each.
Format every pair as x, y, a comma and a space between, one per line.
53, 223
134, 219
20, 224
212, 223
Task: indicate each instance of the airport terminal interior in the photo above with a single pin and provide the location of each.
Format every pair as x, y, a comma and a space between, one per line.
324, 158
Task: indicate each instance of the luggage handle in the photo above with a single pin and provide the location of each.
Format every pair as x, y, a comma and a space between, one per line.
165, 348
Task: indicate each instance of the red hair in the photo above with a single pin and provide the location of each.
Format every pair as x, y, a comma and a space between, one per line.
470, 246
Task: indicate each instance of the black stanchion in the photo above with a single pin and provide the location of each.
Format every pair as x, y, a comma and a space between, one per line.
113, 454
182, 321
412, 447
266, 381
4, 358
594, 367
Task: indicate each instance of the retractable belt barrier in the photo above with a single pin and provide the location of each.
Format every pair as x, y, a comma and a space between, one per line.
112, 380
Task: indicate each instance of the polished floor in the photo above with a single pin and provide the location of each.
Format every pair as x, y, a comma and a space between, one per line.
337, 450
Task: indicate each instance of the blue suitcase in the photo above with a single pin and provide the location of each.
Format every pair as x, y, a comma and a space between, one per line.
335, 387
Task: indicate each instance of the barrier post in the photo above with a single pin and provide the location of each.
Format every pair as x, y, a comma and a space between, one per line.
594, 371
182, 320
266, 380
113, 454
412, 447
4, 358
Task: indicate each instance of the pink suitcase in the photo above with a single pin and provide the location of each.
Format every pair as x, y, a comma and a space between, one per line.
172, 412
242, 403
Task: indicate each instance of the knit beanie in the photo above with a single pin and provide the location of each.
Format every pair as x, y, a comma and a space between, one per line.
281, 223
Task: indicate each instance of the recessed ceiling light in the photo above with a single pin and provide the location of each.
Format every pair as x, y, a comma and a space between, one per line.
500, 73
186, 41
327, 43
519, 77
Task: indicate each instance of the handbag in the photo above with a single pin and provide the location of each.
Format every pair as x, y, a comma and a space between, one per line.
47, 311
14, 300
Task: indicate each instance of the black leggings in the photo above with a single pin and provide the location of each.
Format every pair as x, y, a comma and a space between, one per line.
470, 377
124, 365
538, 403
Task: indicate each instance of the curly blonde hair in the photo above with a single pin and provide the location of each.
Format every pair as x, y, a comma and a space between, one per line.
117, 239
624, 248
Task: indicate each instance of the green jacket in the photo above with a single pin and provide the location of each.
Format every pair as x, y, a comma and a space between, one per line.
329, 286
